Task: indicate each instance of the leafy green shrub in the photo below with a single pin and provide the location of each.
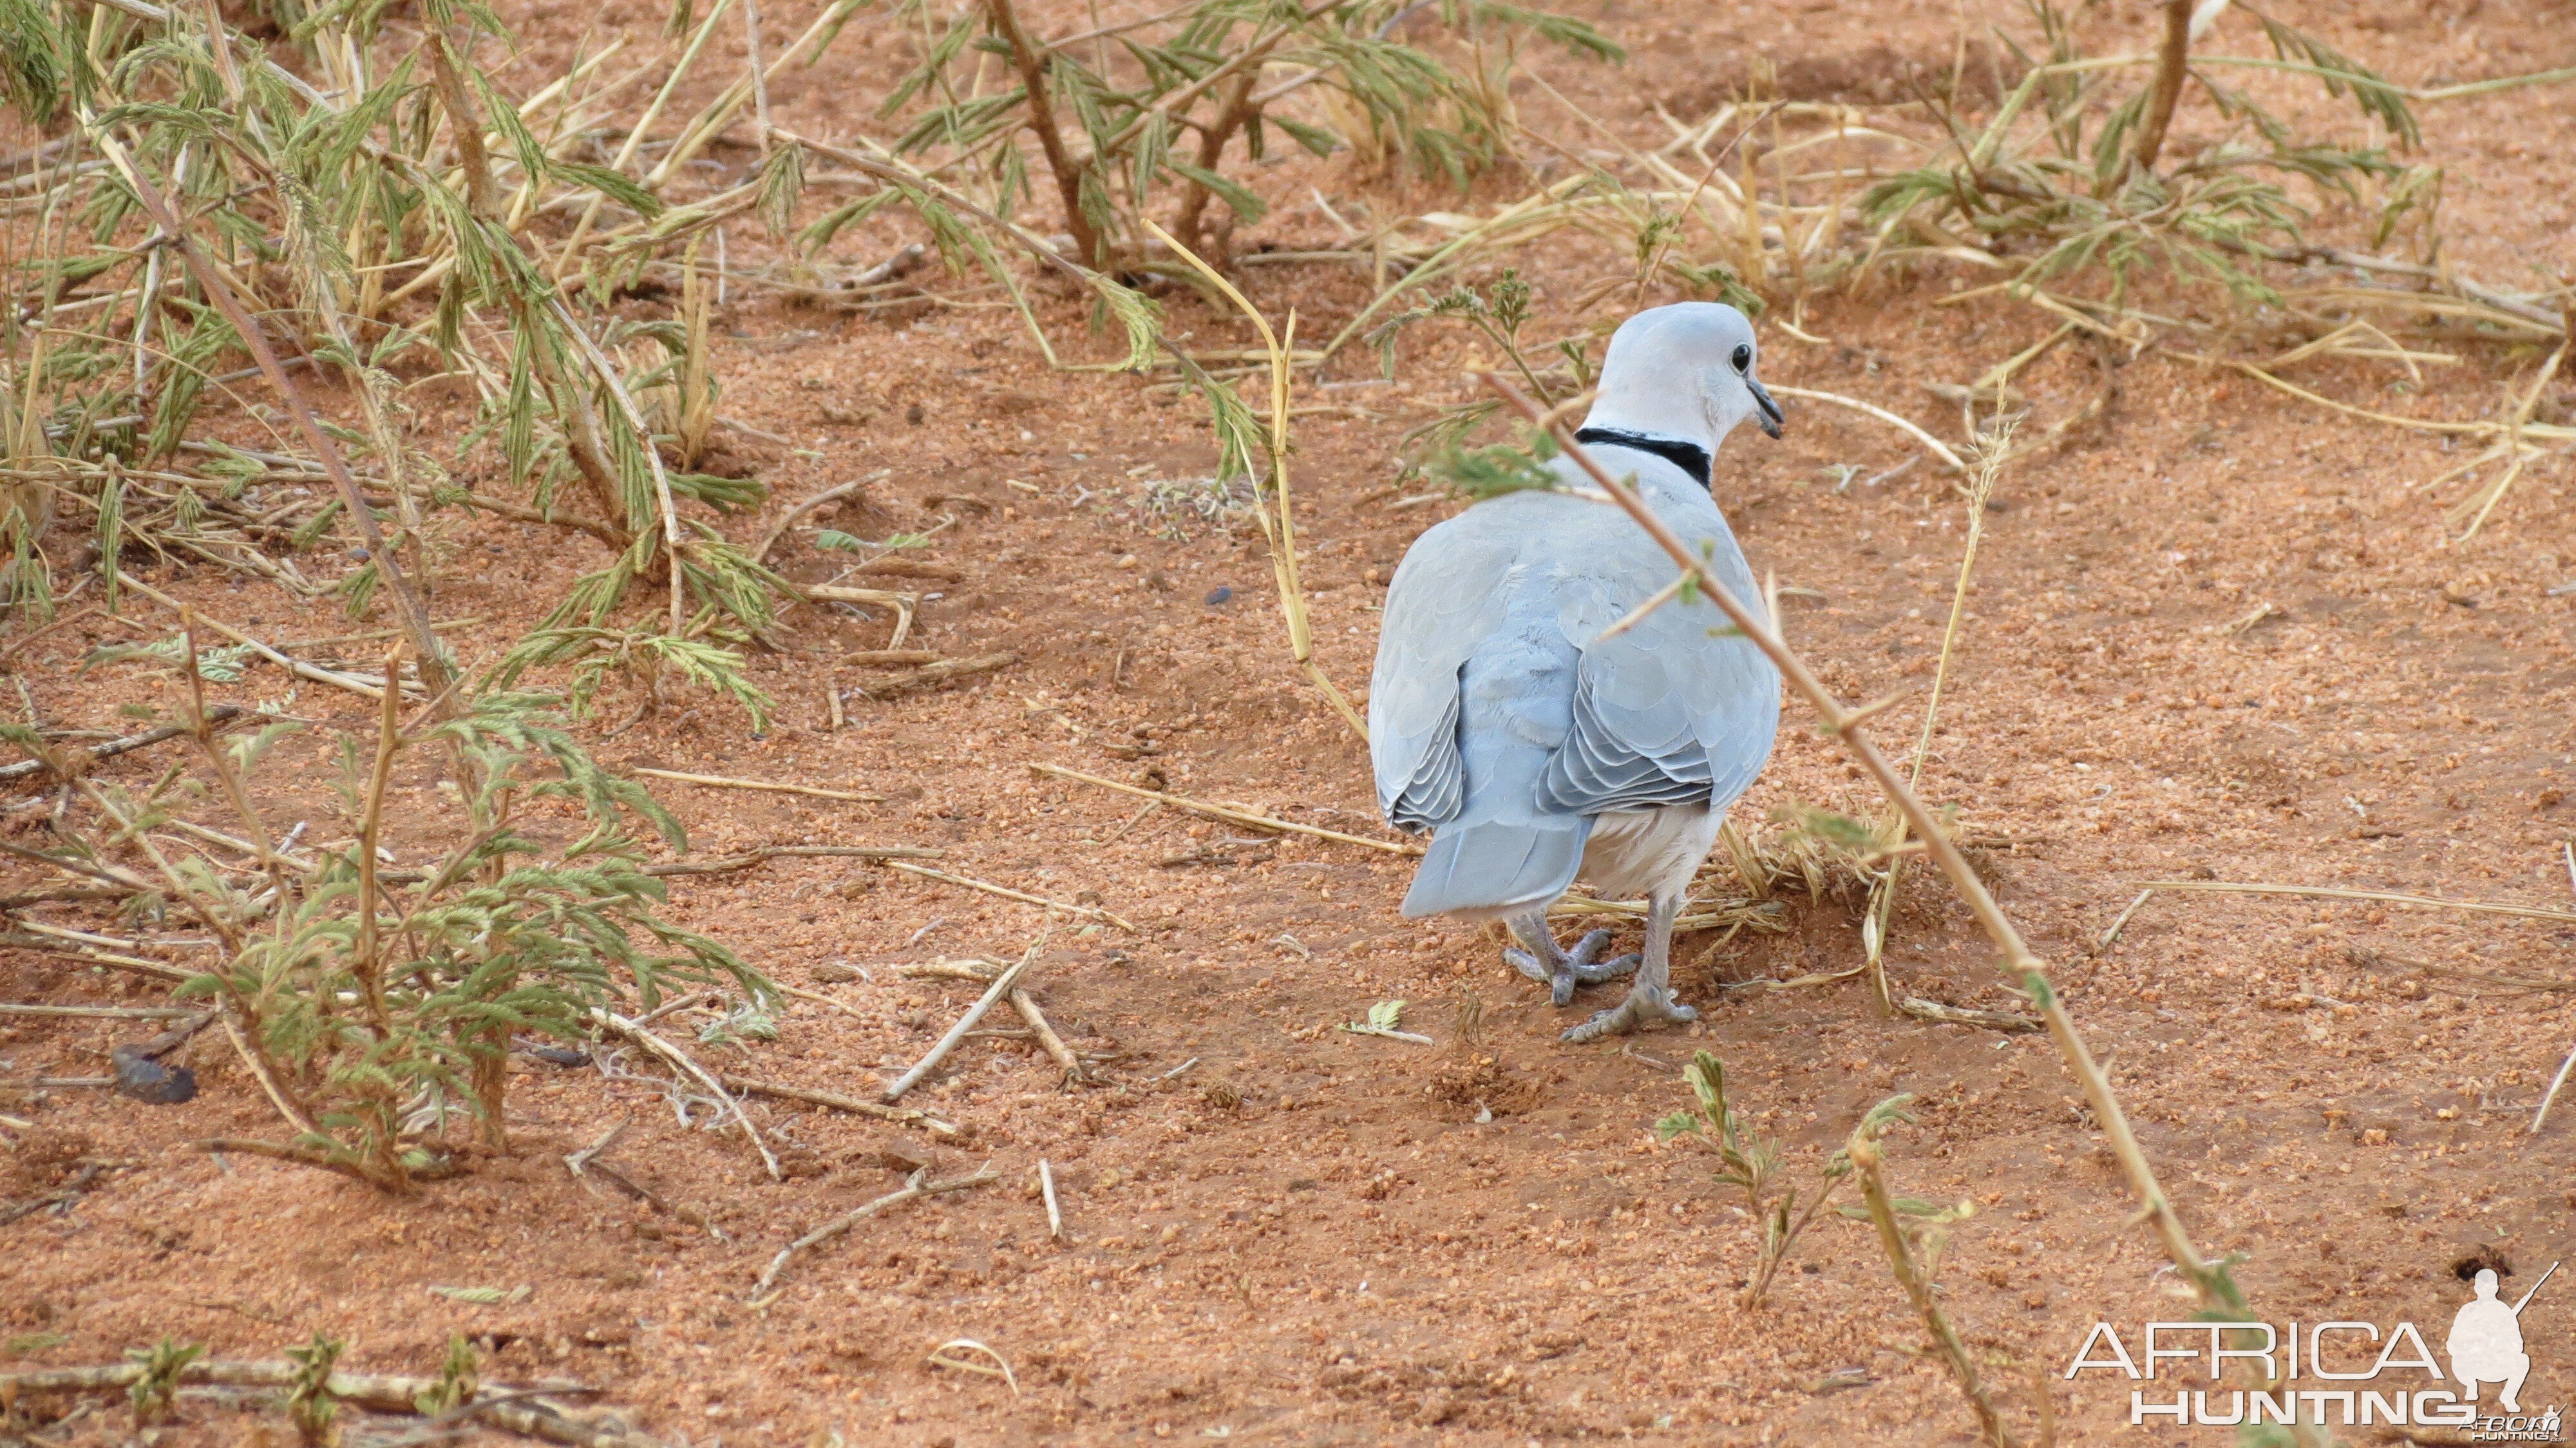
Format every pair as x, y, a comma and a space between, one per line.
1154, 106
371, 1000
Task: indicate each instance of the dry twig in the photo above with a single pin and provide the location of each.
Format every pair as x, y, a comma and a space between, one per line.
903, 1115
981, 972
2210, 1281
219, 714
913, 1187
1866, 1159
939, 1052
2327, 892
681, 1060
1087, 912
718, 781
725, 864
521, 1410
931, 676
1232, 814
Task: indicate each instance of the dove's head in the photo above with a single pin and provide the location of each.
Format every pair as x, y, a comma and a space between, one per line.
1686, 371
2486, 1282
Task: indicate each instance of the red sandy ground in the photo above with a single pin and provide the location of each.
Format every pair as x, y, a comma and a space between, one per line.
1303, 1238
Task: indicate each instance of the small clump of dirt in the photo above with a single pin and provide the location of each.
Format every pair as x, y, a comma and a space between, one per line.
44, 1156
1472, 1077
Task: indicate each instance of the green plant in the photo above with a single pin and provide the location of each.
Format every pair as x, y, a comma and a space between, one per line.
300, 203
369, 1000
1750, 1163
309, 1403
1913, 1231
158, 1380
1497, 314
1154, 105
458, 1380
2070, 196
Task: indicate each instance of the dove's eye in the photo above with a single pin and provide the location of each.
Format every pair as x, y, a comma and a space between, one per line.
1743, 358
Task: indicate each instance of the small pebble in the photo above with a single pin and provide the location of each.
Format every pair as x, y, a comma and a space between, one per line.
1222, 594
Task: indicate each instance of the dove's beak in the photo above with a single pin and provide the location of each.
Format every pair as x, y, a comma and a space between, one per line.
1770, 411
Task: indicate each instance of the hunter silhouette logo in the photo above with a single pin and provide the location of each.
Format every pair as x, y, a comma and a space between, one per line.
2486, 1340
2363, 1374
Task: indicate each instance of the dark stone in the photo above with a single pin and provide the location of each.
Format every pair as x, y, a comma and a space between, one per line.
140, 1077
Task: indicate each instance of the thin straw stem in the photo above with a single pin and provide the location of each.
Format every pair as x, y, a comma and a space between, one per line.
2216, 1289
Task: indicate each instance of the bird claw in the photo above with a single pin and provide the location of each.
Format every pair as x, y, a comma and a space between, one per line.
1609, 970
1527, 964
1641, 1008
1572, 967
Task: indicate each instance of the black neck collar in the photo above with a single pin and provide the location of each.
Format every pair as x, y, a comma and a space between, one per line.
1690, 457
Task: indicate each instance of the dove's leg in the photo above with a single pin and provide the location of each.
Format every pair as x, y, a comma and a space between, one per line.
1562, 970
1651, 998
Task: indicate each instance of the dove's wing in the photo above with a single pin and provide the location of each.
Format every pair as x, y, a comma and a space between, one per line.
1675, 710
1444, 601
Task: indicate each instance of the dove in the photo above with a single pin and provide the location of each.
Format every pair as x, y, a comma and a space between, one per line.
1535, 741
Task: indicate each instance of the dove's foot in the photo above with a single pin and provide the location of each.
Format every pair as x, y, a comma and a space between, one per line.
1570, 968
1646, 1005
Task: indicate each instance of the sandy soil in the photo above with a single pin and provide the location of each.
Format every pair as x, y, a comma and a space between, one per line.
1276, 1231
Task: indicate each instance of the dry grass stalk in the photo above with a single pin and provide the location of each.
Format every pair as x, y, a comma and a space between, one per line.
1940, 1013
1040, 1030
1280, 531
116, 875
1934, 445
1867, 1158
816, 996
2538, 1118
726, 864
1231, 814
976, 969
769, 541
2327, 892
297, 667
119, 1013
901, 1115
914, 1187
1054, 1209
1987, 452
1087, 912
944, 1356
1048, 1041
219, 714
132, 965
522, 1410
635, 1031
2210, 1281
2499, 981
932, 675
717, 781
1000, 987
364, 963
217, 285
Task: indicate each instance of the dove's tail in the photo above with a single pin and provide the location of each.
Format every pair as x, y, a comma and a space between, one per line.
1490, 870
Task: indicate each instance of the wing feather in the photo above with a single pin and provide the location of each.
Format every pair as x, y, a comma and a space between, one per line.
1441, 605
1672, 711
